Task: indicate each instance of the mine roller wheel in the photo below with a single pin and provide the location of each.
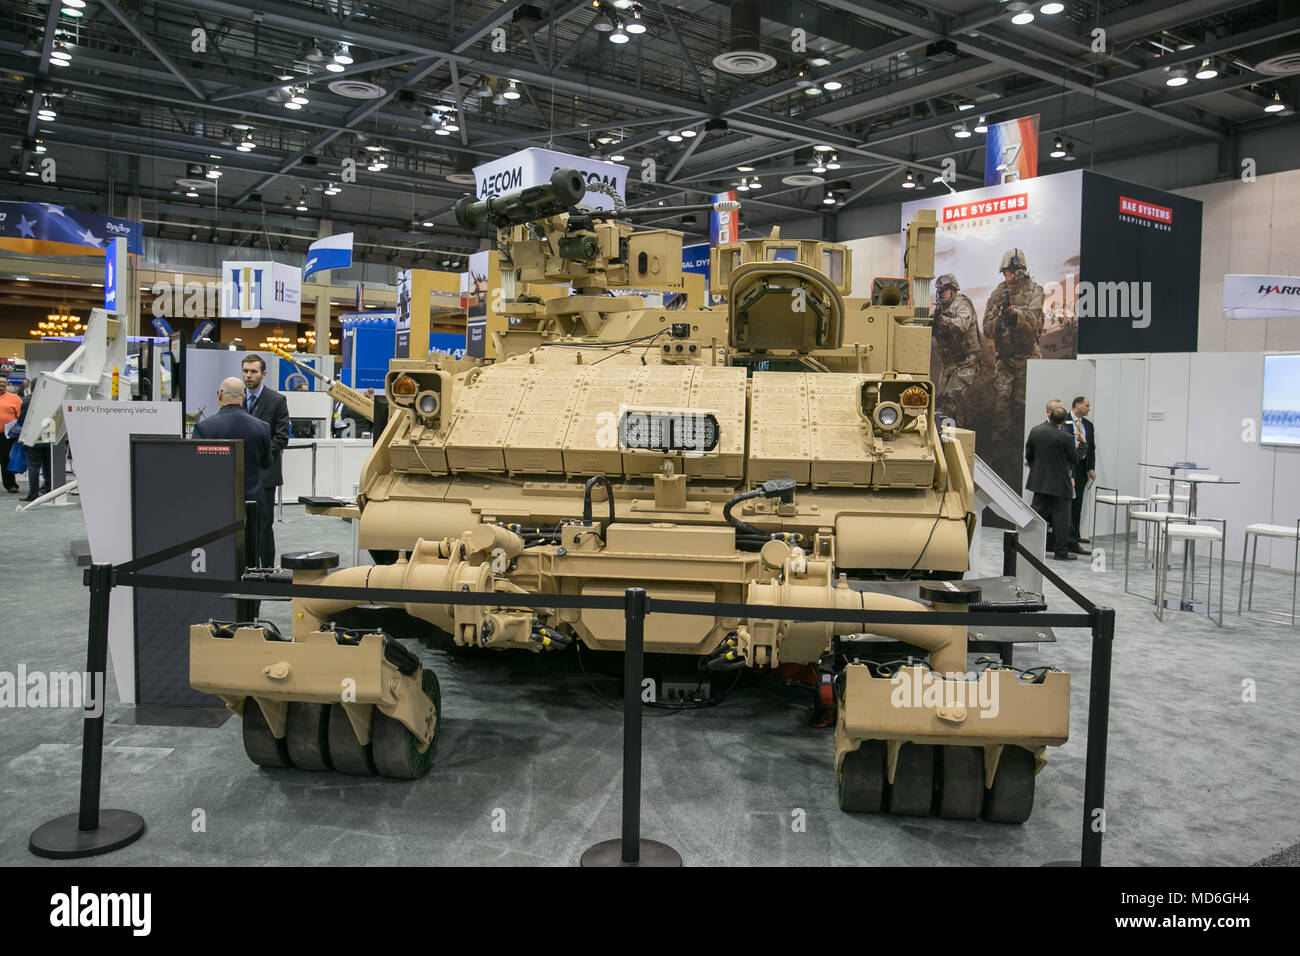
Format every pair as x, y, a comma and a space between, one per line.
307, 734
912, 791
396, 750
1011, 798
862, 778
259, 743
346, 753
959, 783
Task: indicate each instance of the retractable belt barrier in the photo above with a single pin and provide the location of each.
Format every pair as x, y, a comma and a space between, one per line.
100, 832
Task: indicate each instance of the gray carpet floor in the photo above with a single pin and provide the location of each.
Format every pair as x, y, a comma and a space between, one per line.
527, 770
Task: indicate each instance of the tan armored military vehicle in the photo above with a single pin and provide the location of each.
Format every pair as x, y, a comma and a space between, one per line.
780, 450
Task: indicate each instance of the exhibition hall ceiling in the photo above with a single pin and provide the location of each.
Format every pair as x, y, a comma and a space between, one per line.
246, 123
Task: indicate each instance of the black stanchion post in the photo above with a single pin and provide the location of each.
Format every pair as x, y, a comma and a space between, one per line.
91, 831
630, 849
245, 609
1009, 541
1094, 781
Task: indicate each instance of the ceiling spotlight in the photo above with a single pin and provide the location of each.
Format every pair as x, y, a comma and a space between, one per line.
1275, 105
619, 35
1022, 13
982, 126
1207, 71
812, 90
743, 187
823, 148
744, 169
75, 12
909, 181
755, 184
511, 92
690, 133
832, 85
332, 190
32, 47
191, 194
819, 61
334, 67
291, 105
299, 96
31, 169
963, 106
39, 148
46, 113
635, 26
1176, 76
247, 145
54, 62
213, 172
674, 137
801, 78
427, 224
342, 55
834, 163
961, 132
374, 148
618, 157
602, 23
60, 52
445, 107
1051, 9
451, 126
302, 205
829, 200
441, 130
819, 167
1069, 152
314, 53
1058, 149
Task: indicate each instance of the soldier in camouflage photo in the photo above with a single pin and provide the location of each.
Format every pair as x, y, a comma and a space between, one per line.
1014, 319
958, 341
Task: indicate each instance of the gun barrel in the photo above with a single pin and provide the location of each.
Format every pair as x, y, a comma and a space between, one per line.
301, 365
562, 193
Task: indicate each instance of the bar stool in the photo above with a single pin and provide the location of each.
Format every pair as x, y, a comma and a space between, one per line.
1171, 497
1258, 531
1153, 519
1116, 501
1192, 530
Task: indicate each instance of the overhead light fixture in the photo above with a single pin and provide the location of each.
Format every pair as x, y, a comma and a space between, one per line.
499, 100
963, 106
511, 92
1207, 71
674, 137
343, 55
39, 148
332, 190
909, 181
812, 91
755, 184
302, 205
427, 225
744, 169
314, 53
801, 79
743, 186
213, 172
1176, 76
618, 158
602, 23
299, 96
335, 67
75, 13
982, 126
451, 126
1021, 12
291, 105
636, 25
829, 200
834, 163
1051, 9
31, 169
1069, 152
32, 47
1058, 148
619, 35
819, 61
54, 62
1275, 105
60, 52
191, 194
819, 167
823, 148
445, 107
690, 133
374, 148
832, 85
248, 144
46, 113
961, 132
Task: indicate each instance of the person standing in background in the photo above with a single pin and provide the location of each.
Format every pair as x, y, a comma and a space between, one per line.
1051, 456
1085, 471
265, 403
11, 406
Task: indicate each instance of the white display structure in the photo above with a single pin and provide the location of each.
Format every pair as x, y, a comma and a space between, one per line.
261, 289
100, 432
1261, 297
533, 167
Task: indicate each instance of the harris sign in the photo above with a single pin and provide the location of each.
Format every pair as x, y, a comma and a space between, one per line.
42, 228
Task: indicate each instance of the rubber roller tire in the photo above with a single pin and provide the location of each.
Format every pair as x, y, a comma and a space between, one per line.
395, 749
307, 735
959, 783
260, 744
912, 791
862, 778
346, 753
1011, 798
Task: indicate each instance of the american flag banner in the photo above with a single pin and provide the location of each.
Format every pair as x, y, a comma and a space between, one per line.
42, 228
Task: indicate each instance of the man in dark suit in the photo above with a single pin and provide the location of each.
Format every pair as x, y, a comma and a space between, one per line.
1051, 455
264, 403
231, 421
1085, 472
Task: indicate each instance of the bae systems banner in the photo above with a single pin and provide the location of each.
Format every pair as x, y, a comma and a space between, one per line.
1140, 275
533, 167
1006, 259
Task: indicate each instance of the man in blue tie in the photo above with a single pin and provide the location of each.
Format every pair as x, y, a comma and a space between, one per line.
265, 403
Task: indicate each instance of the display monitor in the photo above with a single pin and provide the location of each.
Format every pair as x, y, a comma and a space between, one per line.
1280, 420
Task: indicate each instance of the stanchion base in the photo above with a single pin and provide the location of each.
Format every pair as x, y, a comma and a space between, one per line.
610, 853
60, 838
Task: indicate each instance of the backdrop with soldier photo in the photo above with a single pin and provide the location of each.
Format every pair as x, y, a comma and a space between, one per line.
1004, 256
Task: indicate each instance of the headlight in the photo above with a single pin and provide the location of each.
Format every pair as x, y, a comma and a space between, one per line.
404, 387
427, 404
915, 397
887, 415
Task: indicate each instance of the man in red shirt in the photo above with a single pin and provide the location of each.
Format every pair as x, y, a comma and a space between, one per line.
10, 405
